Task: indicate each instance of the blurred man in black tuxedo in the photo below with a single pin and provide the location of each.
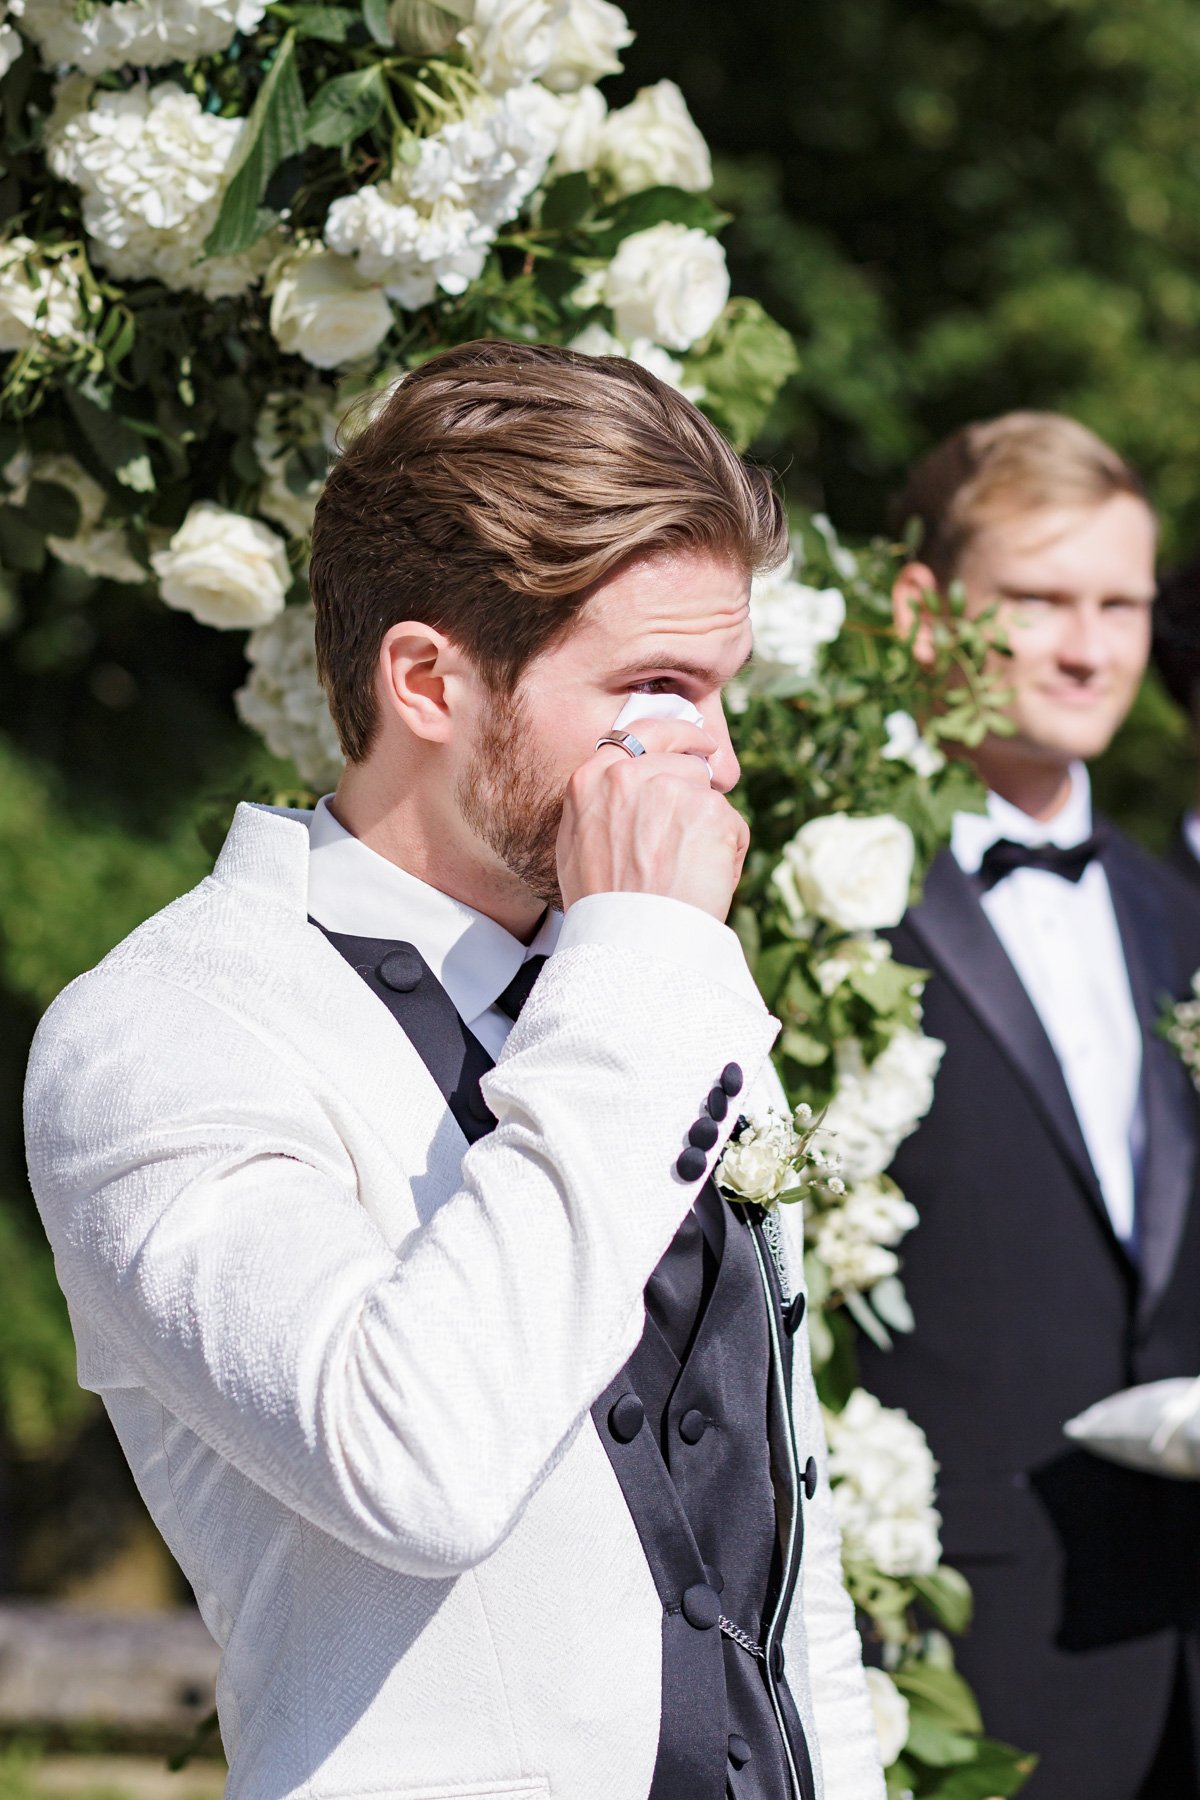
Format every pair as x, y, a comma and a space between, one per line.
1058, 1254
1177, 659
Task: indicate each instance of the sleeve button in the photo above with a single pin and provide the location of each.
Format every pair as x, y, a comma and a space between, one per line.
717, 1103
732, 1079
690, 1164
704, 1134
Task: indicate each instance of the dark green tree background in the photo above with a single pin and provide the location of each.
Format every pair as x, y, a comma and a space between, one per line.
956, 206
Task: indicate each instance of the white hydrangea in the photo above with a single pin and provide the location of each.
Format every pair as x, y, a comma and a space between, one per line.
889, 1714
654, 142
284, 702
431, 223
97, 548
760, 1163
669, 284
595, 340
509, 43
152, 166
146, 32
224, 569
298, 422
855, 1240
584, 45
905, 744
323, 310
576, 123
877, 1105
40, 296
791, 624
883, 1477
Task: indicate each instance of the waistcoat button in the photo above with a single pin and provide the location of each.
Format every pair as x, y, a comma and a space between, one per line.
704, 1134
693, 1426
626, 1417
810, 1477
739, 1751
795, 1314
690, 1164
701, 1606
400, 969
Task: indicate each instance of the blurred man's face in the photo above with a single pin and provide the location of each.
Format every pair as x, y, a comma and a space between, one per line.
1073, 589
674, 623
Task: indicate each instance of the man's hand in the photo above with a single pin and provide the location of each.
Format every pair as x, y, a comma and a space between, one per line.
652, 824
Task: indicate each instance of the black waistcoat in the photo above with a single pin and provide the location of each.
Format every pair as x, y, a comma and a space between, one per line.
698, 1431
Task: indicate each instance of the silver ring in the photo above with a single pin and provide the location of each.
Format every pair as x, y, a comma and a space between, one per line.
623, 740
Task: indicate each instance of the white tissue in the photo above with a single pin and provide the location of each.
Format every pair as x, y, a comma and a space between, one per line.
659, 706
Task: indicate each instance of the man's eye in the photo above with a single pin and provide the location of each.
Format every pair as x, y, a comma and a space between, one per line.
658, 684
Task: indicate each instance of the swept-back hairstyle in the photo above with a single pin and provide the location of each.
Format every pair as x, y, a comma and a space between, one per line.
491, 492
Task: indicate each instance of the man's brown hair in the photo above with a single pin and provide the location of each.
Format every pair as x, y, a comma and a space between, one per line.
1019, 463
492, 491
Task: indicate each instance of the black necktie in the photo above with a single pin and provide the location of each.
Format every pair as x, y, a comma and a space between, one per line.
519, 988
1004, 856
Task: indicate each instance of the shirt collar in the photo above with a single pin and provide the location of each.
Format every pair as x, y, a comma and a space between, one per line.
354, 890
973, 834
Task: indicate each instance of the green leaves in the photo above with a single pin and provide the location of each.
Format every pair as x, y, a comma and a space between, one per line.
330, 24
745, 363
946, 1596
426, 27
112, 440
51, 509
274, 131
656, 206
346, 107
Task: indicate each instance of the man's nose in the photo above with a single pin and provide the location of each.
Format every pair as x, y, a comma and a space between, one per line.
1082, 644
726, 770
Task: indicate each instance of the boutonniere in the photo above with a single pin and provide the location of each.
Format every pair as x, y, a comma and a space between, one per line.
777, 1159
1180, 1025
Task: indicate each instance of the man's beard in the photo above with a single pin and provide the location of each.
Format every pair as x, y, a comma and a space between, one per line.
506, 802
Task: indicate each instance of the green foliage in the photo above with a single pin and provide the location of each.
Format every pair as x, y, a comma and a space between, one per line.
275, 129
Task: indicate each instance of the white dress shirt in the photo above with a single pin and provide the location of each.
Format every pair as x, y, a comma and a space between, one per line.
353, 890
1063, 940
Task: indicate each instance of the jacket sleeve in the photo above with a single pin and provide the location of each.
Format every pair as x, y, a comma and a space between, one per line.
208, 1232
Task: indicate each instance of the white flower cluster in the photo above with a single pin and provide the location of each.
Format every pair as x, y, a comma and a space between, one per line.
40, 296
882, 1476
283, 699
97, 548
1182, 1030
152, 167
146, 32
565, 44
889, 1713
295, 428
759, 1163
852, 872
431, 223
877, 1105
224, 569
854, 1239
791, 624
322, 309
906, 744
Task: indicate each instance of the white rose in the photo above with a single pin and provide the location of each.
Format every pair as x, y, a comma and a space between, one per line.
654, 142
853, 872
577, 124
584, 46
905, 744
791, 622
39, 296
283, 700
510, 42
668, 284
322, 310
760, 1164
224, 569
889, 1710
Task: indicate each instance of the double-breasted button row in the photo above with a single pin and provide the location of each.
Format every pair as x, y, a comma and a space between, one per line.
701, 1605
693, 1425
692, 1162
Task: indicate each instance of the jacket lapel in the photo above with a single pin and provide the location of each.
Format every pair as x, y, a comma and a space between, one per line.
1168, 1165
963, 947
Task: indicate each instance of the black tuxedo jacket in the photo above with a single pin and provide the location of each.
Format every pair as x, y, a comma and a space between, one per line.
1087, 1576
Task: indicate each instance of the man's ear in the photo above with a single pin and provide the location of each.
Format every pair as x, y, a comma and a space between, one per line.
914, 598
416, 665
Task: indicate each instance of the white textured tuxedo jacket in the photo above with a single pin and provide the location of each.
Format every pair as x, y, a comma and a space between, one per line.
351, 1365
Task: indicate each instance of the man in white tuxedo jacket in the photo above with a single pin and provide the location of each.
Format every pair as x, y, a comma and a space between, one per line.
481, 1426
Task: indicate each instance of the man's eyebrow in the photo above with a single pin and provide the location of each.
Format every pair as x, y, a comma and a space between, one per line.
667, 663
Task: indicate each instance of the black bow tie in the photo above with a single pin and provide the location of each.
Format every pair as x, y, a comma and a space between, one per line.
1004, 856
519, 988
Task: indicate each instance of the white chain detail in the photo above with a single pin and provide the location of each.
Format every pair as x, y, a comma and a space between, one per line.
741, 1638
773, 1234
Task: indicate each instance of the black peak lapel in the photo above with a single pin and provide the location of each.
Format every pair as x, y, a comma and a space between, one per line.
963, 947
1168, 1166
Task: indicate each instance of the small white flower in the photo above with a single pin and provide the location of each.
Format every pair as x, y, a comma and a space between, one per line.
594, 340
856, 1240
654, 142
322, 309
905, 744
10, 48
283, 699
224, 569
669, 284
877, 1105
889, 1713
882, 1477
853, 872
584, 45
39, 296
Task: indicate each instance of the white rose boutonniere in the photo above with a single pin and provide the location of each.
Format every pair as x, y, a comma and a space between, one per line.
1180, 1025
854, 873
777, 1158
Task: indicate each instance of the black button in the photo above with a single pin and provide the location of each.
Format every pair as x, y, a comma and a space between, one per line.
704, 1134
693, 1426
810, 1477
626, 1417
794, 1316
732, 1079
690, 1164
714, 1578
477, 1106
717, 1103
739, 1751
701, 1606
777, 1659
401, 969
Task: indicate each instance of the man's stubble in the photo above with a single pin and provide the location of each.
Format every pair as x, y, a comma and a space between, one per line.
506, 801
